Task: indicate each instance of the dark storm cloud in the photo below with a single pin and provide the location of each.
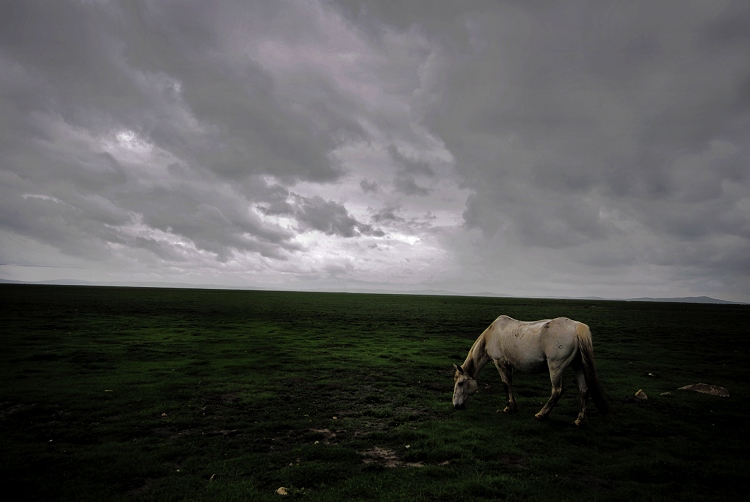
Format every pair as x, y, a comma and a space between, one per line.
77, 73
387, 215
409, 166
408, 169
407, 185
212, 222
315, 213
57, 224
620, 126
368, 186
331, 218
602, 109
122, 66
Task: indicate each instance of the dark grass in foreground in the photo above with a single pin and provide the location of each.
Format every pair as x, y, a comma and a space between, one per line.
117, 393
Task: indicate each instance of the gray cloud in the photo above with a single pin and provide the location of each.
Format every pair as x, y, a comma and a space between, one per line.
601, 123
387, 214
523, 147
326, 216
407, 185
162, 72
330, 218
405, 181
368, 186
409, 166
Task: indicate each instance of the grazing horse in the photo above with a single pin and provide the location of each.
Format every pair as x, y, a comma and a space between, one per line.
532, 347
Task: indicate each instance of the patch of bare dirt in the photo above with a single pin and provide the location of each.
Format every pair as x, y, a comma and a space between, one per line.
222, 432
8, 408
714, 390
386, 458
175, 434
326, 436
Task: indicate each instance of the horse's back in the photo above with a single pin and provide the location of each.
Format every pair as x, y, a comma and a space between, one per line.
527, 345
561, 325
507, 326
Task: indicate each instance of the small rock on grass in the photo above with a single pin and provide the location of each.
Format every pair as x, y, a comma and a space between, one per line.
282, 491
641, 396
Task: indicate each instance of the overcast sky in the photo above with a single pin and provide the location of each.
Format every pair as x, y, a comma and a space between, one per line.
527, 148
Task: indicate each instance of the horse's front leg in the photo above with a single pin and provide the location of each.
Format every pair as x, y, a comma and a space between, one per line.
555, 376
506, 375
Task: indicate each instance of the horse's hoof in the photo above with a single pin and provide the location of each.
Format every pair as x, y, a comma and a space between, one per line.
579, 423
541, 417
509, 410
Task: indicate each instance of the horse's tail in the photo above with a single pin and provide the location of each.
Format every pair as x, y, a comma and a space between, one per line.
586, 351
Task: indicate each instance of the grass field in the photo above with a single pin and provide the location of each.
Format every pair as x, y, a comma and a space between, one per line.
157, 394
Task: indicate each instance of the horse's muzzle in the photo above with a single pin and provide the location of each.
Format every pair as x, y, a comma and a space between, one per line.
459, 406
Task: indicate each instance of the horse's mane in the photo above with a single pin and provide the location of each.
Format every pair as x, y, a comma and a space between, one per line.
474, 360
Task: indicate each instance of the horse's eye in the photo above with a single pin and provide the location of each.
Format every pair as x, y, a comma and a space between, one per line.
460, 384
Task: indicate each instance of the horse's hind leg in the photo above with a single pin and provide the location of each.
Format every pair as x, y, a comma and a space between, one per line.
555, 376
506, 375
584, 388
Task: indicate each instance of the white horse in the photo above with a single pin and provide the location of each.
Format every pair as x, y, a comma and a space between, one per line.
532, 347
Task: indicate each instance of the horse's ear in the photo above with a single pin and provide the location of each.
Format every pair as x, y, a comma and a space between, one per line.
459, 368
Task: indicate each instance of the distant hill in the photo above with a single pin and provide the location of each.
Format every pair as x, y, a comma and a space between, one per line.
436, 292
686, 299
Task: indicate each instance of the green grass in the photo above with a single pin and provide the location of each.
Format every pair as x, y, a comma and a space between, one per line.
156, 394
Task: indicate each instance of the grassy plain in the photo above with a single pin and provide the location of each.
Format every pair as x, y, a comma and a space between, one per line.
166, 394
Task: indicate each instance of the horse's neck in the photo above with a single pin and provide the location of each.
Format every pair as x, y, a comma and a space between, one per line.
476, 359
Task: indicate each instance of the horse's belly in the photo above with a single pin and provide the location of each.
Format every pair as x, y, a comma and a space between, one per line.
534, 366
529, 359
525, 364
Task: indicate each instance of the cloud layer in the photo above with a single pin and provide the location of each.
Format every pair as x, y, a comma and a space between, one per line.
512, 147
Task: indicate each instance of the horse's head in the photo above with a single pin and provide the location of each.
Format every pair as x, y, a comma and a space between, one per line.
463, 388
